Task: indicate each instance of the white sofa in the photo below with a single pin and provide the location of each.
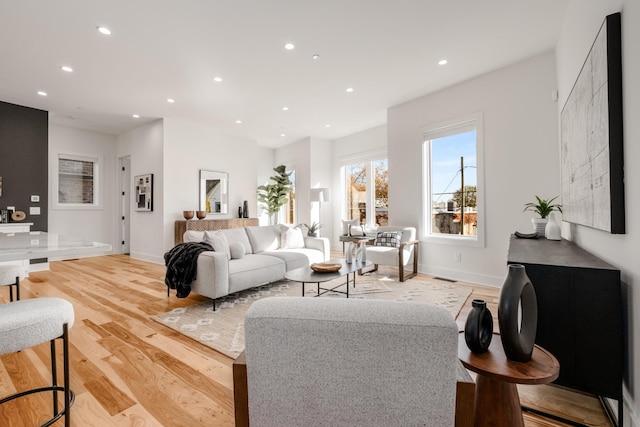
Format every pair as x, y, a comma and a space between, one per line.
246, 257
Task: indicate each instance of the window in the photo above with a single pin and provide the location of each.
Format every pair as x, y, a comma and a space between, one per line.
77, 182
452, 163
290, 207
366, 191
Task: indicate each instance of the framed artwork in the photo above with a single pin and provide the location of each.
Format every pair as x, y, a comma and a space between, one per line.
591, 137
143, 193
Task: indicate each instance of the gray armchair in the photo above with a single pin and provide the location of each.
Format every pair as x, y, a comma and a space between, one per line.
350, 362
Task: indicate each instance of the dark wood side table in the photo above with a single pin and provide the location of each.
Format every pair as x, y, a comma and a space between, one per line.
497, 402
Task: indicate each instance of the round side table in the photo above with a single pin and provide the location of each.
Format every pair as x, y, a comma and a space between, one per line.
497, 402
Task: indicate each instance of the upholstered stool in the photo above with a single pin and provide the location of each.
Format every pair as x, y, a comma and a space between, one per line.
10, 276
30, 322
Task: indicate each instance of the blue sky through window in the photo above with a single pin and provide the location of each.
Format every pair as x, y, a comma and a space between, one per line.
445, 163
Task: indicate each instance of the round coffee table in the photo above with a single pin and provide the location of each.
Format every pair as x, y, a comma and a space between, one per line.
497, 402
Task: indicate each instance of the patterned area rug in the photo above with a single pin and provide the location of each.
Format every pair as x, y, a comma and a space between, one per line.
223, 329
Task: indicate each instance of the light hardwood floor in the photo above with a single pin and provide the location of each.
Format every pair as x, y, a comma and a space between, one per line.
128, 370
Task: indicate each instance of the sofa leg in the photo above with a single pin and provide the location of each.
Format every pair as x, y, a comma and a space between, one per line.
214, 304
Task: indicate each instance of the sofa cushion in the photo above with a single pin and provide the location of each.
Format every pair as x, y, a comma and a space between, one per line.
236, 250
388, 238
193, 236
264, 238
297, 258
254, 270
218, 241
238, 235
291, 238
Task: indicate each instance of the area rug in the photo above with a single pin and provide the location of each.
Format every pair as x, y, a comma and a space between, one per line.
223, 329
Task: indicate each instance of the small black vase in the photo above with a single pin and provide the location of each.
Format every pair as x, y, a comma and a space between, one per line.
478, 329
245, 209
239, 211
517, 293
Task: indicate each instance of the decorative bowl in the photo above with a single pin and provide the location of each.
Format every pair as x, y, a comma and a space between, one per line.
201, 214
325, 267
187, 214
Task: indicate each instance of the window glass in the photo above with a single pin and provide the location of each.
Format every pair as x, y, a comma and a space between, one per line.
452, 166
77, 181
367, 192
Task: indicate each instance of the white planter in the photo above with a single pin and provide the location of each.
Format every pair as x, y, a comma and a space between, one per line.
539, 225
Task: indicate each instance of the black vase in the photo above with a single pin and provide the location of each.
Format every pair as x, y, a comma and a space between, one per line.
245, 209
478, 329
239, 211
518, 331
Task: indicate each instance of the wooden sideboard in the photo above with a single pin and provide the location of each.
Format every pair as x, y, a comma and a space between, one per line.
210, 225
579, 313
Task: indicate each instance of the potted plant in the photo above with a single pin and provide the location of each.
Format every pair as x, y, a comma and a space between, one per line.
312, 230
275, 195
543, 207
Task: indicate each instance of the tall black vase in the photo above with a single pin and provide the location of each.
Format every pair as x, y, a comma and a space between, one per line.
245, 209
518, 330
478, 329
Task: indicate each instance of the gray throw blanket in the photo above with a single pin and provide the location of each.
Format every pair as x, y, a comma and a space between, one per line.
181, 262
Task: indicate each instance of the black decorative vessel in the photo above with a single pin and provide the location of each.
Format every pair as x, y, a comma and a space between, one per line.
518, 314
239, 211
478, 329
245, 209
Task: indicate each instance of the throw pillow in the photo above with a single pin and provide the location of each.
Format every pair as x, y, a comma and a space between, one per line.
237, 250
292, 238
388, 238
345, 225
218, 241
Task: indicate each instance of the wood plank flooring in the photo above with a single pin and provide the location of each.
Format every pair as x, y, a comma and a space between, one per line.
128, 370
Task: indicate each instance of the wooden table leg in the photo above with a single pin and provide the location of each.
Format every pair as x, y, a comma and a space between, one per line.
497, 403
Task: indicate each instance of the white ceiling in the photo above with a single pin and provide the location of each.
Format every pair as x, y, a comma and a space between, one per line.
387, 50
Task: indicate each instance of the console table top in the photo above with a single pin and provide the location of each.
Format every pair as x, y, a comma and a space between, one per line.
561, 253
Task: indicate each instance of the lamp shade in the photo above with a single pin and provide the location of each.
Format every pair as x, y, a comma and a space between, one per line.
319, 194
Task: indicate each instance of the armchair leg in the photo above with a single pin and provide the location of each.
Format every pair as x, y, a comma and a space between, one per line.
414, 273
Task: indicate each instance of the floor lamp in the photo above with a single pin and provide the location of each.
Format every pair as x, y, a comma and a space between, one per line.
319, 195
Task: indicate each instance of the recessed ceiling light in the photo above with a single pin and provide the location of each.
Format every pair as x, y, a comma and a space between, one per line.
217, 79
349, 89
315, 56
104, 30
327, 126
66, 68
285, 108
442, 62
136, 116
42, 93
171, 100
239, 122
282, 134
289, 46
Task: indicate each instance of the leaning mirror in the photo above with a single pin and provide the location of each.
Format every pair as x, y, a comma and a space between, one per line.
214, 192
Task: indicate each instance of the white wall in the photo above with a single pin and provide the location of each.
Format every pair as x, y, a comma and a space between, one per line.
95, 224
320, 177
580, 28
145, 147
521, 160
189, 147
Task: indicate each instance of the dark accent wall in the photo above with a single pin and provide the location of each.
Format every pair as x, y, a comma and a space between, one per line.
24, 152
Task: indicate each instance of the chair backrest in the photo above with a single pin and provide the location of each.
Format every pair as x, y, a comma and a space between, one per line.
337, 362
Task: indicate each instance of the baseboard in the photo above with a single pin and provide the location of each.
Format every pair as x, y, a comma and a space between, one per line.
462, 275
147, 257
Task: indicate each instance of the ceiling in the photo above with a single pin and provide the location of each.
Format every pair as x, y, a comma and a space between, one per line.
387, 51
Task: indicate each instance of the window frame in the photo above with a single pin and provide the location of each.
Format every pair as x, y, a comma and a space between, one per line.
369, 158
96, 181
439, 130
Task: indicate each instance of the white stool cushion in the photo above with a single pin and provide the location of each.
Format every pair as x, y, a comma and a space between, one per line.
30, 322
8, 274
